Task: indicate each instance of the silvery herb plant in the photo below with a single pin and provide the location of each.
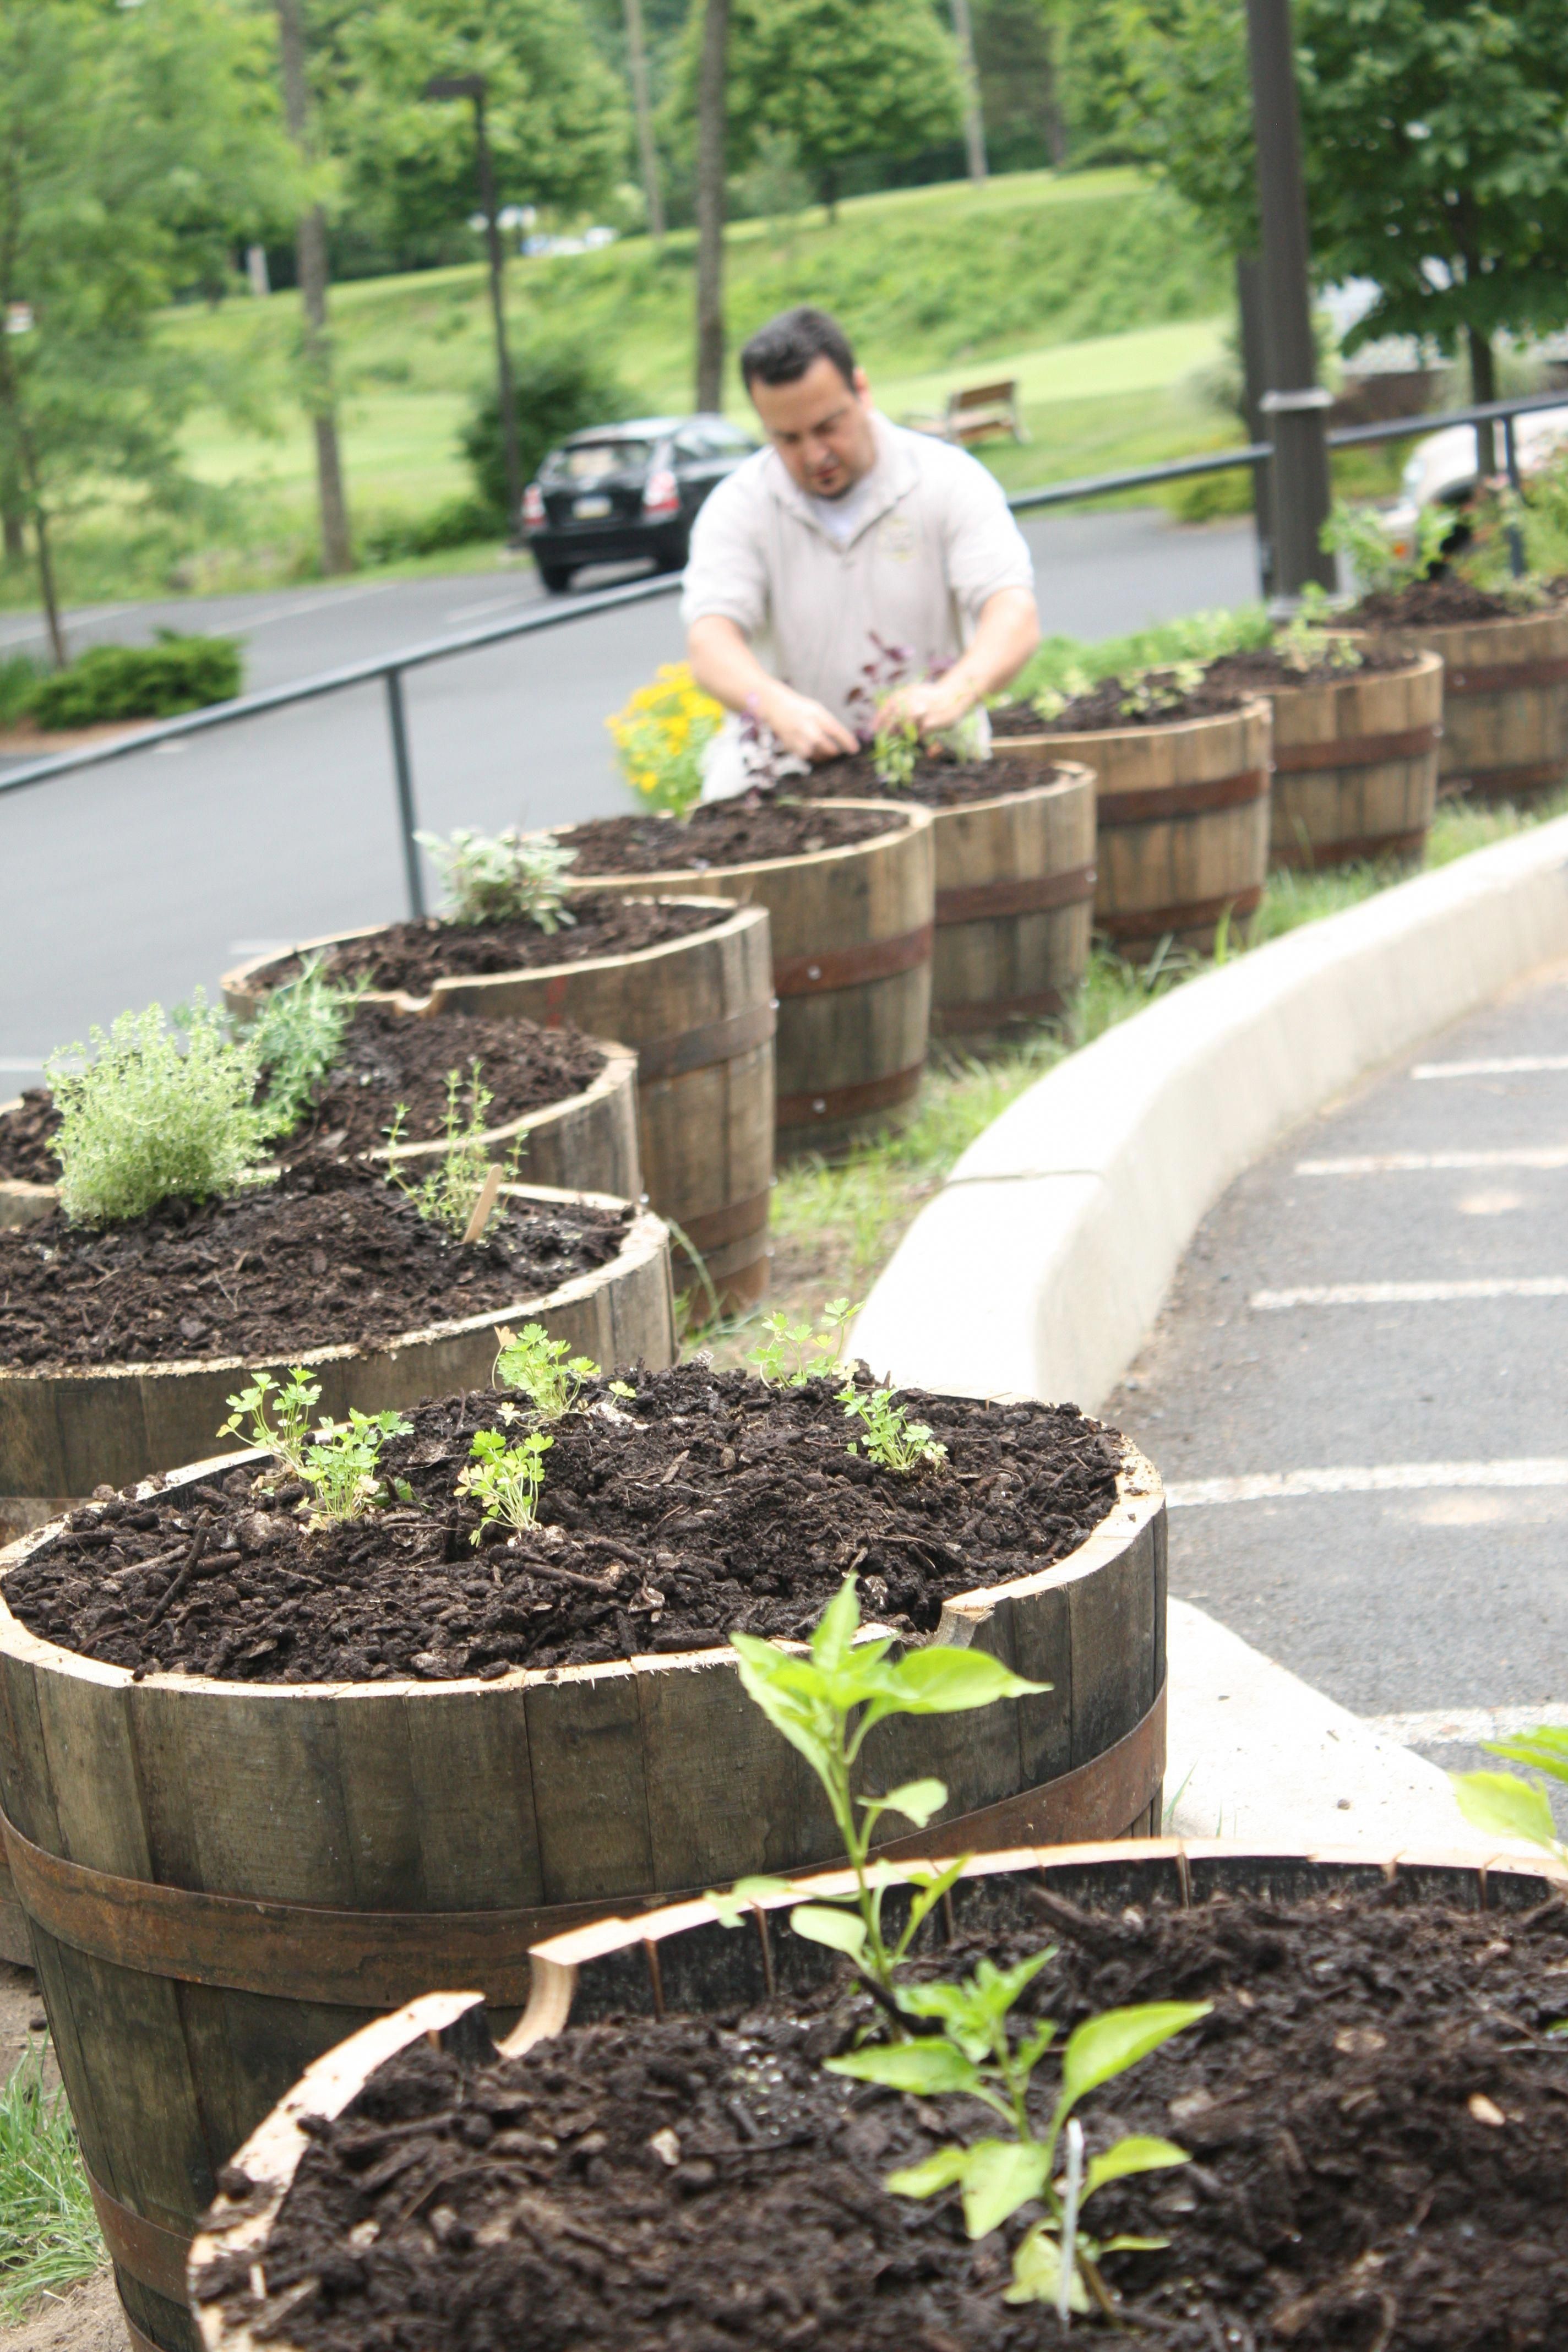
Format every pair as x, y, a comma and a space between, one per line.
493, 876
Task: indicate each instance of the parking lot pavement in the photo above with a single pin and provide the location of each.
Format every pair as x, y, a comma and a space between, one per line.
1358, 1393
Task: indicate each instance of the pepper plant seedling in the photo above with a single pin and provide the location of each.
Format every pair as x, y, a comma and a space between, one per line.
892, 1439
529, 1360
826, 1705
283, 1436
792, 1353
340, 1466
505, 1481
974, 2053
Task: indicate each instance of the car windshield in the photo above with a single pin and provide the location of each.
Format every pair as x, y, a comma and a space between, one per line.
592, 461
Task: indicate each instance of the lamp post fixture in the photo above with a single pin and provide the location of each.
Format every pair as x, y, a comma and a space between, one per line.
473, 86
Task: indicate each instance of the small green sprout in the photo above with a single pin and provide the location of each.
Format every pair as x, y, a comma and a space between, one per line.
446, 1193
529, 1360
895, 748
892, 1440
494, 877
623, 1388
283, 1435
1307, 645
340, 1467
792, 1353
1151, 692
1503, 1805
505, 1480
813, 1701
972, 2053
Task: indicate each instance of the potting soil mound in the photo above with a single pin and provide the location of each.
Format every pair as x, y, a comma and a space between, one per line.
387, 1059
330, 1252
1265, 670
1438, 603
739, 832
1099, 708
1377, 2123
711, 1502
414, 955
937, 781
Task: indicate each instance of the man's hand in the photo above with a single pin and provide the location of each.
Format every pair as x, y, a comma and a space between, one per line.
803, 727
931, 708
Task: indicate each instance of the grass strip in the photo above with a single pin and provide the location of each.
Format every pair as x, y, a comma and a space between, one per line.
48, 2233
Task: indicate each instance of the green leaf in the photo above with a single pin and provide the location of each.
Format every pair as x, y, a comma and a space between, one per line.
1108, 2045
1131, 2246
949, 1682
916, 1800
1038, 2271
838, 1626
842, 1931
1505, 1806
924, 2068
931, 2176
1133, 2154
734, 1904
999, 2176
1545, 1747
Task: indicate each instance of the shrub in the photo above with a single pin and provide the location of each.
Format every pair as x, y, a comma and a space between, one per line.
144, 1122
558, 388
19, 675
1206, 498
155, 681
457, 522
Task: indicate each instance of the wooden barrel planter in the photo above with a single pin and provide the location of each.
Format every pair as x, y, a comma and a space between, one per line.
1505, 705
852, 931
1015, 893
681, 1961
63, 1434
1355, 765
699, 1013
225, 1879
1183, 818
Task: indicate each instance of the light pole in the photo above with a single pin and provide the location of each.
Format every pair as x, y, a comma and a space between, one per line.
1294, 402
473, 86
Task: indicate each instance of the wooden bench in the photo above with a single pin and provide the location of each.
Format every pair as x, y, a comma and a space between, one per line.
976, 412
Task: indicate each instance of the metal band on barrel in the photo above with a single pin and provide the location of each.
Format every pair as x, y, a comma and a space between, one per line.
1037, 895
812, 975
1181, 800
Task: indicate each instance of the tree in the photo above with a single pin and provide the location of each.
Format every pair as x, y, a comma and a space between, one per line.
713, 144
1017, 51
169, 147
310, 251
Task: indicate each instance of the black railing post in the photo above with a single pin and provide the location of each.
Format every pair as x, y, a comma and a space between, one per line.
403, 768
1517, 559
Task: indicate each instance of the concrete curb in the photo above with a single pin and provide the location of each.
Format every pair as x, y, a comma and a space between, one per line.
1038, 1268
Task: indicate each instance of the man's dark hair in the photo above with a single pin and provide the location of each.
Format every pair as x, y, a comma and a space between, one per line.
781, 351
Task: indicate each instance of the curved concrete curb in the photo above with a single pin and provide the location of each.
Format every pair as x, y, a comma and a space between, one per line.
1041, 1263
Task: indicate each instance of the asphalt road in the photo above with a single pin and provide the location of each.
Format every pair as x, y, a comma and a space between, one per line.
143, 878
1315, 1327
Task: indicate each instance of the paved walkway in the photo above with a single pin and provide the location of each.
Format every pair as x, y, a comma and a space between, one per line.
1357, 1394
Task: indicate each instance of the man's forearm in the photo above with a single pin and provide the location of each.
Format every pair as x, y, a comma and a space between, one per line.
1006, 634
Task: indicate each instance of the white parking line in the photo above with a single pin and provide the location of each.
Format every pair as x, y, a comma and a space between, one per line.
1401, 1163
1356, 1478
1412, 1294
11, 1062
1508, 1066
1466, 1727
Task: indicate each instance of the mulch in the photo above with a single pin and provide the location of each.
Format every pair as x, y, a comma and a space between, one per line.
1099, 709
739, 832
939, 781
412, 957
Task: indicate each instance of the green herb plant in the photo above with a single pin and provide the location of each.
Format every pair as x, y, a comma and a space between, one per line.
1360, 534
284, 1434
447, 1192
1155, 691
504, 1480
895, 748
491, 877
1307, 645
145, 1121
974, 2053
826, 1705
1503, 1805
340, 1467
1052, 701
529, 1360
892, 1440
792, 1353
298, 1035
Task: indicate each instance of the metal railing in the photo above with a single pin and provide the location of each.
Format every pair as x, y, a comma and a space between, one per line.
390, 667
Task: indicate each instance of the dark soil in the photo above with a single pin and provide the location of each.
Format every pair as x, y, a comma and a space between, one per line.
1099, 709
330, 1252
1343, 2195
1433, 604
732, 1504
414, 955
939, 781
1265, 671
387, 1059
736, 832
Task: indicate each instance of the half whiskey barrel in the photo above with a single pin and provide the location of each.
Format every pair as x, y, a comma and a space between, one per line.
1014, 895
224, 1880
1182, 816
852, 931
62, 1434
1355, 765
699, 1013
1505, 705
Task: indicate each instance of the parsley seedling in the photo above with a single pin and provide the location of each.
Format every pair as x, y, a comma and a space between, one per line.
506, 1480
792, 1353
340, 1466
892, 1441
529, 1360
284, 1436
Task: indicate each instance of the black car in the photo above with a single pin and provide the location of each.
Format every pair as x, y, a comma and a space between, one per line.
619, 491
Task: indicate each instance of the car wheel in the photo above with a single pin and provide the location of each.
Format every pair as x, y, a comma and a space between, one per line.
557, 577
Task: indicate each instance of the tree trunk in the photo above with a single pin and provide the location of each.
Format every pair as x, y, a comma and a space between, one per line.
652, 189
14, 518
1483, 387
311, 247
58, 647
25, 498
974, 118
827, 190
711, 108
1051, 105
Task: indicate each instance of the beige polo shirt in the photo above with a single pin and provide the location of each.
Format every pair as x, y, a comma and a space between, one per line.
933, 541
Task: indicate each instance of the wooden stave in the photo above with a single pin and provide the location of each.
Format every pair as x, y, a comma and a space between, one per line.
1333, 815
867, 1032
717, 975
981, 968
409, 1795
1228, 847
64, 1434
1493, 735
681, 1959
